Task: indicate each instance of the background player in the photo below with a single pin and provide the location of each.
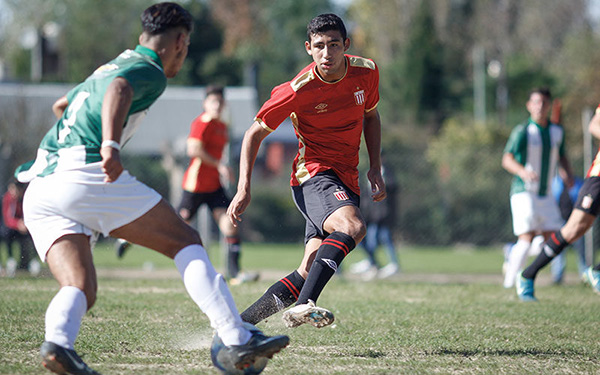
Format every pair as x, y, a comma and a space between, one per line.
330, 102
532, 154
582, 218
202, 179
79, 188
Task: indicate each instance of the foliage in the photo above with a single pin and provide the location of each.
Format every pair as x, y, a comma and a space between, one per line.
467, 157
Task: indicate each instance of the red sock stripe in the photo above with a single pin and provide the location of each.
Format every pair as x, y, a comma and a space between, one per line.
290, 287
339, 244
554, 239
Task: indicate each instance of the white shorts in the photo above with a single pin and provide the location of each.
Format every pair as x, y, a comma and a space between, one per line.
79, 201
532, 213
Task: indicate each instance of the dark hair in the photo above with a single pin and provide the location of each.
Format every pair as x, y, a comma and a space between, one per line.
162, 17
326, 22
544, 91
215, 90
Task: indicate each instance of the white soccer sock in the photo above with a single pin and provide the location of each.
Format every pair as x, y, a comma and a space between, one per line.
63, 316
516, 262
208, 289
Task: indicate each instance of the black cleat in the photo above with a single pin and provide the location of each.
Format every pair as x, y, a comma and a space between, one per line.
63, 361
242, 356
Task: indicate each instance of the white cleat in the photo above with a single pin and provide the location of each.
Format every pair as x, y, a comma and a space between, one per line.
308, 313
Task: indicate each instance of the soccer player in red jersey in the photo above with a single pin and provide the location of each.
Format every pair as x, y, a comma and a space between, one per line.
330, 102
582, 218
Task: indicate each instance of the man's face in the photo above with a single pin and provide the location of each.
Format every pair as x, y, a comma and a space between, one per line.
213, 105
538, 106
327, 50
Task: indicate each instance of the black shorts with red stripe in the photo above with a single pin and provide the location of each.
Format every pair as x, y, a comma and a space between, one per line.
318, 198
588, 199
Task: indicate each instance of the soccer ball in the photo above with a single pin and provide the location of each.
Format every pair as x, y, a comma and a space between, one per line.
256, 368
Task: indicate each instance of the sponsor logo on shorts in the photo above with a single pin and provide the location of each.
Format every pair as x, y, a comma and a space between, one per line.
359, 97
587, 201
341, 195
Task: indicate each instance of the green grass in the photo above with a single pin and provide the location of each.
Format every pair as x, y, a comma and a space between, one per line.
446, 314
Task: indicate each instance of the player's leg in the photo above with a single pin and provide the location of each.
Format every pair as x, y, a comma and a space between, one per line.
70, 261
347, 228
393, 267
285, 291
161, 229
516, 259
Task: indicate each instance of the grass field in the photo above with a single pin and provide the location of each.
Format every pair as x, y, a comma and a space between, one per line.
445, 314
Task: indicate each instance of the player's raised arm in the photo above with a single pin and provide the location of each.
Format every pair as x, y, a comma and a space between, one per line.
115, 108
250, 145
372, 132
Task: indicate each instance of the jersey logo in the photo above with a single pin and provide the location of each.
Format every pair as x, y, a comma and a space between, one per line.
359, 97
341, 195
321, 107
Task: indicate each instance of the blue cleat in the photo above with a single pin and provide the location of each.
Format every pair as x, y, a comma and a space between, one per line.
593, 278
525, 289
63, 361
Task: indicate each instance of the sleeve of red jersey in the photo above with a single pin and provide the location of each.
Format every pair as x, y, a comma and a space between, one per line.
277, 108
373, 94
198, 128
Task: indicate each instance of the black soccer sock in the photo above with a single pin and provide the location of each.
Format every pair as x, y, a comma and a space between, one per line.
233, 256
329, 256
552, 247
279, 296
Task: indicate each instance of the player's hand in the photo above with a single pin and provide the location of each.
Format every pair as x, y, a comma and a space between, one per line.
111, 163
238, 205
377, 184
527, 175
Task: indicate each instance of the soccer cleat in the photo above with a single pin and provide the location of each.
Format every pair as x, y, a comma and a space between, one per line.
525, 289
63, 361
593, 278
360, 267
259, 345
388, 271
11, 267
121, 247
308, 313
244, 277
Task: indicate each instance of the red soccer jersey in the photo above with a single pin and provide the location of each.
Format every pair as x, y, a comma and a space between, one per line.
327, 118
594, 170
199, 177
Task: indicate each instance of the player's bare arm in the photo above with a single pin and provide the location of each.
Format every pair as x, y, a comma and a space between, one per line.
59, 106
115, 108
372, 132
250, 145
512, 166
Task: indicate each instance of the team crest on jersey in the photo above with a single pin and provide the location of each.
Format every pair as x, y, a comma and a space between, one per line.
321, 108
359, 97
587, 201
341, 195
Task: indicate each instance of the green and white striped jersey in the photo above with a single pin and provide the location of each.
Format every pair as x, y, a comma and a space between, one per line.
75, 139
539, 149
